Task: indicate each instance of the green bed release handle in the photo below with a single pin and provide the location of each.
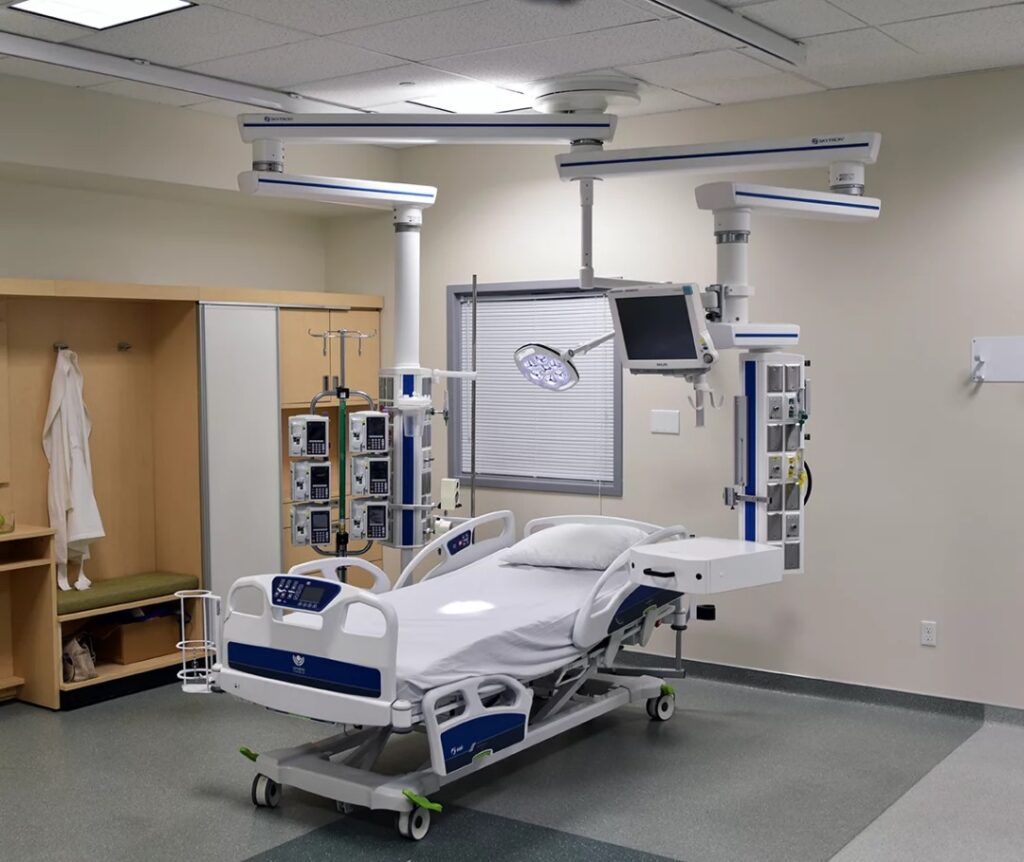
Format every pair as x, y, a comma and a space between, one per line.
422, 801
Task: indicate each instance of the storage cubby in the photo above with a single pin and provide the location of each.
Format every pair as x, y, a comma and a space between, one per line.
138, 348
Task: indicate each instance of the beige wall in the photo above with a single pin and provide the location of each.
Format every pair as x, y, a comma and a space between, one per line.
917, 478
82, 234
98, 187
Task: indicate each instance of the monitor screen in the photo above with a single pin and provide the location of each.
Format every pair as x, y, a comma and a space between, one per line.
656, 327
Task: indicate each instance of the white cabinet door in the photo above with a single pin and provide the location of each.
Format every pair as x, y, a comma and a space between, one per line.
241, 443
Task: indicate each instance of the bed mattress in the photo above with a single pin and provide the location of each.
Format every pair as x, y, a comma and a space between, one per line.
485, 618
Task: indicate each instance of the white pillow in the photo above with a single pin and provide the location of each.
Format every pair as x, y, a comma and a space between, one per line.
574, 546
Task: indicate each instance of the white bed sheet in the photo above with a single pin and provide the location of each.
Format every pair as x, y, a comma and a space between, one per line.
485, 618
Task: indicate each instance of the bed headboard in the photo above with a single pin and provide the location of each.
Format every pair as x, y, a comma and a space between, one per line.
553, 521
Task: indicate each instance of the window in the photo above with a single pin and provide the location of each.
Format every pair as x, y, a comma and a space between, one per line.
530, 438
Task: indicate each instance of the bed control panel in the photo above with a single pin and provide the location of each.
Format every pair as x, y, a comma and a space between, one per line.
460, 542
303, 594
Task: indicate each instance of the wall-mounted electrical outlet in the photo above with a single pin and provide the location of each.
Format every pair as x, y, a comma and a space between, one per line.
929, 633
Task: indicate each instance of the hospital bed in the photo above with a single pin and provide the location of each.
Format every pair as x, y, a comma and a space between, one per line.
484, 658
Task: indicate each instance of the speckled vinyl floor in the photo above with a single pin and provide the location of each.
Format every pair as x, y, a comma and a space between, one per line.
739, 775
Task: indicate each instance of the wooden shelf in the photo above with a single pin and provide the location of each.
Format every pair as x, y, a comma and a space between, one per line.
108, 671
26, 532
110, 609
8, 682
25, 564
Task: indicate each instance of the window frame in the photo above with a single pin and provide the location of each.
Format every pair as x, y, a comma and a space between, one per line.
456, 394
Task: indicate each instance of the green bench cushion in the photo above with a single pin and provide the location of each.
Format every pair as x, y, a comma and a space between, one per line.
118, 591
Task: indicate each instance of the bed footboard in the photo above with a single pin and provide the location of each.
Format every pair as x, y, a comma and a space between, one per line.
287, 646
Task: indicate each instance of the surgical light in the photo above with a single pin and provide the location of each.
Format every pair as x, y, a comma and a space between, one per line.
554, 369
100, 14
546, 367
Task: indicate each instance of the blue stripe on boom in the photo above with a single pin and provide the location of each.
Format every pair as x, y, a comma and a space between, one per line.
750, 509
824, 203
408, 467
336, 187
723, 154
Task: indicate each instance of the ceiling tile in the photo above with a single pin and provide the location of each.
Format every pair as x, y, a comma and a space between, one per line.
721, 76
653, 10
636, 43
890, 11
284, 65
321, 17
148, 92
49, 73
659, 100
405, 108
862, 57
380, 87
971, 40
489, 24
190, 36
800, 18
24, 24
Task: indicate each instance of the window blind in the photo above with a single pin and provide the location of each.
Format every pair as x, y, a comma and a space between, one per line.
522, 430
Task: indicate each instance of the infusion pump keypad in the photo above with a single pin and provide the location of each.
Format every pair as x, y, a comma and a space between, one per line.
304, 594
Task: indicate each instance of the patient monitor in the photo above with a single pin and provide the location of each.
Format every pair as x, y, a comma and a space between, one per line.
660, 329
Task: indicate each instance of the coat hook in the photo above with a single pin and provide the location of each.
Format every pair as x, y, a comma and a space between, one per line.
123, 346
58, 346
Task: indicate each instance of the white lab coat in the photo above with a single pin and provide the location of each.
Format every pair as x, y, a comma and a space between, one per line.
74, 515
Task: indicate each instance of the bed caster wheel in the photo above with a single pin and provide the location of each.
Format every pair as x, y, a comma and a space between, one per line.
662, 707
414, 824
266, 793
345, 807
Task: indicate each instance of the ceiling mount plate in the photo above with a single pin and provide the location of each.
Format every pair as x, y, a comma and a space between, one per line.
584, 93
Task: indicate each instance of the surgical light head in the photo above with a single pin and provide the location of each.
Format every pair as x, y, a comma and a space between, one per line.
546, 367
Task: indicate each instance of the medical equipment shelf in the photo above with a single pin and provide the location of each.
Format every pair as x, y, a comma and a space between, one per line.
108, 671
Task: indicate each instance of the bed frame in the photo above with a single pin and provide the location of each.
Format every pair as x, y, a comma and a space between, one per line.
350, 679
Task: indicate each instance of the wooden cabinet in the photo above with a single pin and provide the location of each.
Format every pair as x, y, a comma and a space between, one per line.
362, 356
303, 363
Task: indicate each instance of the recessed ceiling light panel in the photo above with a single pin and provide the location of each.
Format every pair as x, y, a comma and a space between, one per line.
475, 99
100, 14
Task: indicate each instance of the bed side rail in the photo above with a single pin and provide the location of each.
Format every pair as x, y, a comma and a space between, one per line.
599, 520
328, 567
311, 648
471, 720
592, 623
459, 546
